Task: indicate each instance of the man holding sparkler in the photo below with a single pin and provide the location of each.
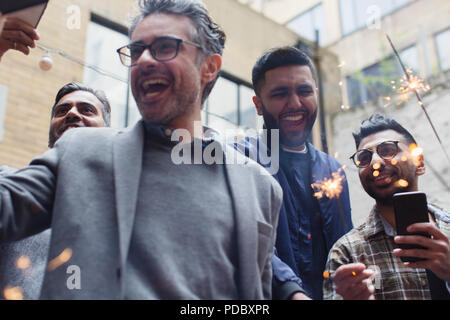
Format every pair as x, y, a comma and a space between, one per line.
285, 84
387, 164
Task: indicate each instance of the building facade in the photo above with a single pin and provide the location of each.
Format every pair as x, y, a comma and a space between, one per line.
82, 36
355, 30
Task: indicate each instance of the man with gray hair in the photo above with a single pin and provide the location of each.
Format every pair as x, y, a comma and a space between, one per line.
23, 263
127, 221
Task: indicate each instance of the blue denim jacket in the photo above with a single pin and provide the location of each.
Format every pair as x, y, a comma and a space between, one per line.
334, 221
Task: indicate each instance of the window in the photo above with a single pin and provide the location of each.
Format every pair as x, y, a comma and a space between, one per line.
410, 58
249, 118
308, 22
222, 107
355, 14
374, 82
356, 92
230, 105
442, 40
102, 42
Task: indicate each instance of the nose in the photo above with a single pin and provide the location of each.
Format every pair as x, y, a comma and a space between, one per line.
73, 114
146, 59
377, 162
295, 101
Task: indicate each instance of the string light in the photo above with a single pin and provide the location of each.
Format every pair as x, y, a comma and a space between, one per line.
46, 63
80, 62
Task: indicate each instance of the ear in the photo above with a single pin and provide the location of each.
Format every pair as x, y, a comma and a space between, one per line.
258, 105
210, 67
420, 169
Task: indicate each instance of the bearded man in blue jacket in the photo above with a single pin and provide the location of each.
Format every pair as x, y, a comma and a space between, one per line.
285, 84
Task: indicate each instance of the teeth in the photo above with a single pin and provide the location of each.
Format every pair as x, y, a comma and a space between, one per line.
294, 118
151, 94
151, 82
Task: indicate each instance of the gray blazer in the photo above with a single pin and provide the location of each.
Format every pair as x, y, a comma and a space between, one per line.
86, 189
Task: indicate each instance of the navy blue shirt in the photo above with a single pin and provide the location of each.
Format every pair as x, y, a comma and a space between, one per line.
308, 240
307, 226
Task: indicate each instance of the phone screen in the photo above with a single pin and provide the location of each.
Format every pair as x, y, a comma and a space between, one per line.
29, 11
410, 208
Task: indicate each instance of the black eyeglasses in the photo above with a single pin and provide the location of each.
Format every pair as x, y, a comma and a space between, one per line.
162, 49
386, 150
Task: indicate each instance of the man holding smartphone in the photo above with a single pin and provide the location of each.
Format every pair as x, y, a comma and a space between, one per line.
17, 35
387, 164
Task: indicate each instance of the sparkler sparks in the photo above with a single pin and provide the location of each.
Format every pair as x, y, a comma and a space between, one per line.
331, 188
413, 84
402, 183
23, 262
13, 293
410, 83
63, 257
406, 88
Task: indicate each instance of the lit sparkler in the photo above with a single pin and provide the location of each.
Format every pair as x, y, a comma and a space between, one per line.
331, 188
414, 84
62, 258
23, 262
13, 293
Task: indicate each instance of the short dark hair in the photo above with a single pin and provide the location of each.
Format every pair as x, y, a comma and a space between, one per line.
207, 33
377, 123
99, 94
279, 57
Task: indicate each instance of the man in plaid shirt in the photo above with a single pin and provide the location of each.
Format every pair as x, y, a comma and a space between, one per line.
365, 263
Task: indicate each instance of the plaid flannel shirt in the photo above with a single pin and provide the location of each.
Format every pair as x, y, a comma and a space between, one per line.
372, 244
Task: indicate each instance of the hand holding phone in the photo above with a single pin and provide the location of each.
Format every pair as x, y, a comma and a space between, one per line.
29, 11
410, 208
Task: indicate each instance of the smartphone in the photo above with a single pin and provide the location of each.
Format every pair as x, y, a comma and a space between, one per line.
410, 208
29, 11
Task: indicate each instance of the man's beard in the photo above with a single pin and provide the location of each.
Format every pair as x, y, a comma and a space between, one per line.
386, 199
271, 123
177, 106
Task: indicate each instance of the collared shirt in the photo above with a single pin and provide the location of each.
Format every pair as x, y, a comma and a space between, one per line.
164, 134
372, 244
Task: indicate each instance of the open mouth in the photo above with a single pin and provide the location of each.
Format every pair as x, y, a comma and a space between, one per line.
293, 118
154, 87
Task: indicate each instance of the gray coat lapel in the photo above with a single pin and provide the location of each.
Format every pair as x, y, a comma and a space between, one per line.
128, 148
246, 229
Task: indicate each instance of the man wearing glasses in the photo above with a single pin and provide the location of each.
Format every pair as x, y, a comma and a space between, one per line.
133, 223
365, 263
